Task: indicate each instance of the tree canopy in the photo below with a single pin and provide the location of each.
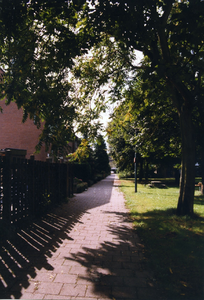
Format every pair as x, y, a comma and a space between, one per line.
169, 33
146, 123
38, 44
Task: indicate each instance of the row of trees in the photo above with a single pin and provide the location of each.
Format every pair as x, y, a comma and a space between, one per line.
150, 131
59, 56
95, 156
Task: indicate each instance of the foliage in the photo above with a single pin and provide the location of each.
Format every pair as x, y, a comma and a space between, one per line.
89, 162
82, 171
126, 174
156, 122
101, 158
144, 124
121, 138
45, 204
38, 44
172, 245
77, 181
81, 187
102, 73
172, 45
82, 154
99, 177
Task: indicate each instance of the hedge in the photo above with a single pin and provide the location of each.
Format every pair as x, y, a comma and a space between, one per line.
82, 171
80, 187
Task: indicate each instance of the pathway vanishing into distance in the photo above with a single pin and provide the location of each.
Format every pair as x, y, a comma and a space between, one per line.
86, 249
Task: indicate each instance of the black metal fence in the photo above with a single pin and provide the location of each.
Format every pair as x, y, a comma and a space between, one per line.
28, 187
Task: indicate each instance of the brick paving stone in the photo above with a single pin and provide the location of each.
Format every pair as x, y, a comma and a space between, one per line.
66, 278
68, 263
78, 270
85, 280
121, 292
112, 265
48, 288
87, 249
111, 280
134, 281
147, 293
99, 291
44, 276
48, 296
34, 296
24, 286
122, 258
77, 290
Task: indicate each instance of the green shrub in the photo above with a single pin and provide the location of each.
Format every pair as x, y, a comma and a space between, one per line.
98, 177
126, 174
82, 171
90, 182
77, 180
80, 187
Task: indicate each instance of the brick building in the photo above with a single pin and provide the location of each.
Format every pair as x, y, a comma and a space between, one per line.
16, 134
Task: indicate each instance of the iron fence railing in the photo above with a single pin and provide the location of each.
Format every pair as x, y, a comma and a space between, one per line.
28, 187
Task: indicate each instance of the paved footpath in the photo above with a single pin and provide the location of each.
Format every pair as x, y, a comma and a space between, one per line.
86, 249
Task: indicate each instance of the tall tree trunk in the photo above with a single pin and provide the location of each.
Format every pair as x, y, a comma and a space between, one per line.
202, 168
183, 101
187, 179
200, 140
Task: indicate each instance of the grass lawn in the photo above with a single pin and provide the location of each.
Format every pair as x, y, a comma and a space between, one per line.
174, 246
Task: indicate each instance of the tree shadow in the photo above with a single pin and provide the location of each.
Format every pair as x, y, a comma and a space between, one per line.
121, 185
29, 249
174, 248
199, 200
117, 269
120, 269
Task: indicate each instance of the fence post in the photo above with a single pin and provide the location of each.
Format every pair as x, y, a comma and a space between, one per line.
67, 183
70, 179
7, 188
32, 185
59, 182
48, 161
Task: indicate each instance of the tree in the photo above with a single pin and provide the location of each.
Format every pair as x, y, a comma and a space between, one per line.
121, 138
199, 126
93, 159
82, 154
38, 43
143, 123
101, 159
169, 33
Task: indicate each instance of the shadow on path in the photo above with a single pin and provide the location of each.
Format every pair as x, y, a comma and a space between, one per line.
27, 250
117, 269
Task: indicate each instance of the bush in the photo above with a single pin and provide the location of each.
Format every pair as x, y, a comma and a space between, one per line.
77, 180
80, 187
82, 171
90, 182
98, 177
126, 174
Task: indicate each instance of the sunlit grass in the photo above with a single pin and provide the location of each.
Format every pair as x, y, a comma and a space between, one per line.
174, 246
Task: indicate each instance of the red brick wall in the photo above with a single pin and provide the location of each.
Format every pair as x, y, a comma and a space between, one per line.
15, 134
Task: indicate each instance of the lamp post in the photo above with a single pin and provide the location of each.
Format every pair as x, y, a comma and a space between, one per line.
135, 161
